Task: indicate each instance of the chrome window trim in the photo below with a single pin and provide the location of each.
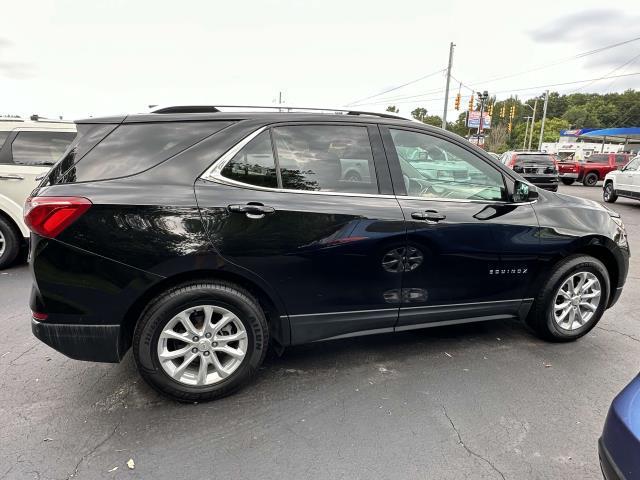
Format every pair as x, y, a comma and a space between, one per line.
214, 174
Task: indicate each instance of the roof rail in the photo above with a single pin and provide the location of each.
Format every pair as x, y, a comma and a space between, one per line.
277, 108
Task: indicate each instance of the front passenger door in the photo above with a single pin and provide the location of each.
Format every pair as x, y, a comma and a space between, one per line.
472, 252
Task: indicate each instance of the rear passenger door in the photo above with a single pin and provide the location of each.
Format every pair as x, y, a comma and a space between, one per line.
309, 209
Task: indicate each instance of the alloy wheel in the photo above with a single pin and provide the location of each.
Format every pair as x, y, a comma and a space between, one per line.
202, 345
3, 244
577, 300
608, 190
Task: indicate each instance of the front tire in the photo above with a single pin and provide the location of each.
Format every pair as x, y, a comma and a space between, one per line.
590, 180
572, 300
608, 193
201, 340
568, 181
9, 243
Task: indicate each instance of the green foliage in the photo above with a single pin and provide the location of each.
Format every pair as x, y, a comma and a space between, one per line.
393, 109
419, 113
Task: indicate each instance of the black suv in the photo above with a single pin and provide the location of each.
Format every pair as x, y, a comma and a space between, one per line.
202, 238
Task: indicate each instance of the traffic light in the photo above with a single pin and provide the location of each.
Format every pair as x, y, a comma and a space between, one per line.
471, 104
457, 102
491, 110
503, 111
509, 127
513, 111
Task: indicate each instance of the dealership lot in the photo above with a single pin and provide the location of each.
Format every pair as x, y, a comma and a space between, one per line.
477, 401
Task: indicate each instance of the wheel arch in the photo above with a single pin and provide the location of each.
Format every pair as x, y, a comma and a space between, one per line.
274, 311
14, 224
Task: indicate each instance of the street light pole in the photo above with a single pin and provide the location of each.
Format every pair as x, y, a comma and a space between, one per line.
446, 90
544, 117
533, 122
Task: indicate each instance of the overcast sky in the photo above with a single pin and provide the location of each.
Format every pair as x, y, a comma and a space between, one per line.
81, 58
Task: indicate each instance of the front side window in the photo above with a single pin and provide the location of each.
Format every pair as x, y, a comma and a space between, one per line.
633, 165
436, 168
327, 158
3, 137
621, 159
254, 164
40, 148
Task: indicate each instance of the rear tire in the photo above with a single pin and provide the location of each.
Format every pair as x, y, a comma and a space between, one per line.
590, 180
193, 300
9, 243
568, 181
608, 193
542, 318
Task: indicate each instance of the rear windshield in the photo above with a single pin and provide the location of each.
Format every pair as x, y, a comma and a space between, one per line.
127, 149
534, 159
598, 158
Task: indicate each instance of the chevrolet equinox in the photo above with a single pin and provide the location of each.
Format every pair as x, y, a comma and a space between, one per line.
200, 237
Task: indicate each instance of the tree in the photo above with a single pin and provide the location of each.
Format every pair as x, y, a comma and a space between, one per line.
496, 141
552, 127
435, 120
393, 109
419, 113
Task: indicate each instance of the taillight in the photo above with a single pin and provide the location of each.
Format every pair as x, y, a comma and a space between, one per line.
39, 316
512, 161
48, 216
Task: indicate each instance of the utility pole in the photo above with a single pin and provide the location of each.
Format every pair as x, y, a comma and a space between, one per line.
526, 131
533, 122
544, 117
446, 90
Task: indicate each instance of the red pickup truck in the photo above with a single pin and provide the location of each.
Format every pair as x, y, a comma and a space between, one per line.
591, 169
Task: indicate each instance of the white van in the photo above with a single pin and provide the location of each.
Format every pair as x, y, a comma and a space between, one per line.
28, 149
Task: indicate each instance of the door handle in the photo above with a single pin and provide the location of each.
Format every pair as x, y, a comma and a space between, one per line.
428, 215
10, 176
252, 209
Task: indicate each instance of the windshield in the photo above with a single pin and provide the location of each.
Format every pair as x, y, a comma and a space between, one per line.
547, 159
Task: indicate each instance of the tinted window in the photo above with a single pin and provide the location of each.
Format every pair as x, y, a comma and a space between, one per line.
621, 159
86, 138
546, 159
254, 164
436, 168
598, 158
40, 148
325, 158
3, 137
133, 148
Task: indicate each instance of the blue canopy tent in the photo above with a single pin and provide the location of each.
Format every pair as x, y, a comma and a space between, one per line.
626, 135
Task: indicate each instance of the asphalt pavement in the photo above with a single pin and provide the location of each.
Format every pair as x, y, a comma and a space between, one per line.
477, 401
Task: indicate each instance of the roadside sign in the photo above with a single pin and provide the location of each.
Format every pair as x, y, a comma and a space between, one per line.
473, 120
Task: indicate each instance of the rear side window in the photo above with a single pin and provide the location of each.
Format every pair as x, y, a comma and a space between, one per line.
40, 148
325, 158
133, 148
621, 159
3, 137
534, 159
598, 158
254, 164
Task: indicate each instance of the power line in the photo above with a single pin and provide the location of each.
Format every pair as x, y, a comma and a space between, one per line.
396, 88
559, 61
533, 88
633, 59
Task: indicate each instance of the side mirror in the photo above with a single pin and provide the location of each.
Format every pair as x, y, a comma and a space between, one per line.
523, 192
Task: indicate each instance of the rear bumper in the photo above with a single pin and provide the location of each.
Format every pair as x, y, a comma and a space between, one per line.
95, 343
568, 175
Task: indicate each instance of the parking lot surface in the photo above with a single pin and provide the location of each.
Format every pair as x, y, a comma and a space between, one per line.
477, 401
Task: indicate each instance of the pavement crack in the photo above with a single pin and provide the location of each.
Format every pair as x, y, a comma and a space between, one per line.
469, 451
91, 452
12, 362
619, 333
